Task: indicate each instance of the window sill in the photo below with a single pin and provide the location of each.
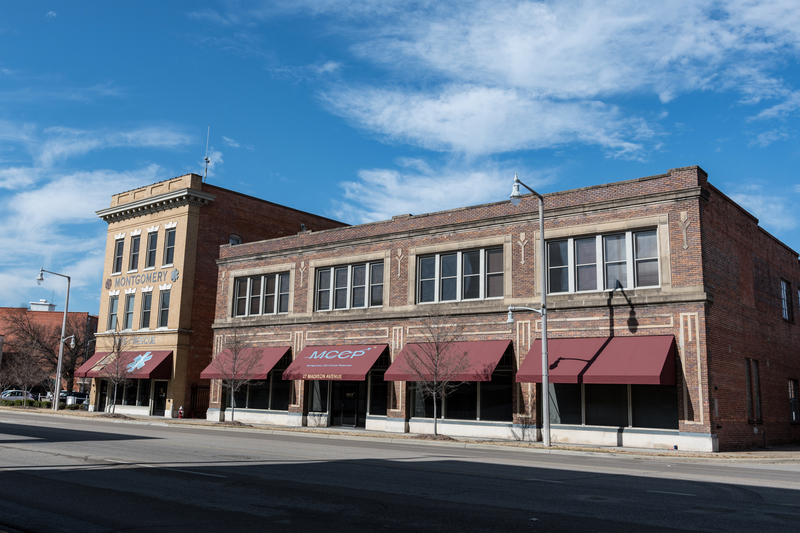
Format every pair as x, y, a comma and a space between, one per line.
170, 265
148, 268
116, 273
132, 271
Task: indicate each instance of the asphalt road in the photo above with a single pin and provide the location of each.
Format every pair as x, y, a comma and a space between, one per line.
77, 475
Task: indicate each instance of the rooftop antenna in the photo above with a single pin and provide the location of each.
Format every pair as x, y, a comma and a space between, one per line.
206, 159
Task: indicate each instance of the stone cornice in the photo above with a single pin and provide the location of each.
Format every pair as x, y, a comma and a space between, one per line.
153, 204
485, 223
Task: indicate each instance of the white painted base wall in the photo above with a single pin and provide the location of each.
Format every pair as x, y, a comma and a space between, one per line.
634, 438
276, 418
129, 410
461, 428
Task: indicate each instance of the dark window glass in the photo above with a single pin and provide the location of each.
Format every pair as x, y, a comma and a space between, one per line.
318, 396
283, 295
496, 397
616, 263
423, 406
169, 246
240, 397
359, 285
281, 391
379, 394
144, 393
134, 265
163, 312
462, 403
606, 405
565, 403
427, 276
129, 396
376, 284
472, 274
241, 297
324, 292
119, 248
255, 295
448, 265
494, 273
113, 302
152, 245
753, 390
655, 406
269, 294
786, 302
558, 266
340, 288
258, 395
794, 405
147, 302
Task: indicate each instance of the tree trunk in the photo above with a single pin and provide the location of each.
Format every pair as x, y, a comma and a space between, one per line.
233, 405
114, 402
435, 415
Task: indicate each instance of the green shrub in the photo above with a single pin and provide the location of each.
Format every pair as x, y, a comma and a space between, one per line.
62, 405
74, 407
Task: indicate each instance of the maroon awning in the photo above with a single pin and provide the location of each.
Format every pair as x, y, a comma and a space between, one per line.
644, 360
250, 363
482, 357
338, 363
138, 364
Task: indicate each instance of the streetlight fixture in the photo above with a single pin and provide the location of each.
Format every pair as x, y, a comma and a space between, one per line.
57, 395
516, 198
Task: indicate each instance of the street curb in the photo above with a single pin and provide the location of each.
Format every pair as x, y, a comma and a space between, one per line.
589, 451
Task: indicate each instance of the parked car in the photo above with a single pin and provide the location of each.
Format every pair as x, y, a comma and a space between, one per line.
16, 395
80, 397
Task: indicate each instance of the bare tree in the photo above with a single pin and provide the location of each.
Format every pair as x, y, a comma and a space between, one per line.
6, 379
436, 362
24, 367
46, 337
236, 363
115, 368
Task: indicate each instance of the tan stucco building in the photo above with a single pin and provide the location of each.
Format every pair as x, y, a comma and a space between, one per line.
159, 288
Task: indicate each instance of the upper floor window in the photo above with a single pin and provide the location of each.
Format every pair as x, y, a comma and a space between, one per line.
134, 264
603, 262
152, 245
163, 310
454, 276
113, 302
753, 390
794, 406
147, 301
119, 248
169, 246
262, 295
127, 317
786, 300
350, 286
233, 240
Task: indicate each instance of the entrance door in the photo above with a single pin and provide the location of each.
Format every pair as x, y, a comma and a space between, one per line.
349, 404
160, 398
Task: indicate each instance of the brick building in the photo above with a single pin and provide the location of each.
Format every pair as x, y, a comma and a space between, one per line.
159, 286
43, 323
671, 320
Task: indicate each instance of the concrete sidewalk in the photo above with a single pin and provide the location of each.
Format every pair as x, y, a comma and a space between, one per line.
773, 454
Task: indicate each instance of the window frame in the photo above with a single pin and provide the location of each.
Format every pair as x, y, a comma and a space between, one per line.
460, 275
348, 288
147, 303
133, 263
753, 391
127, 312
794, 401
786, 300
113, 309
163, 311
602, 262
119, 252
169, 247
277, 294
152, 250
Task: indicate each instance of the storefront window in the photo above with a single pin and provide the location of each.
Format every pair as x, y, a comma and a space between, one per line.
496, 396
655, 406
462, 403
318, 396
258, 395
606, 405
378, 394
565, 403
144, 393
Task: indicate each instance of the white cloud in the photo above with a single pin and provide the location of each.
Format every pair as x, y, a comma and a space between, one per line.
230, 142
215, 158
416, 188
766, 138
775, 213
50, 15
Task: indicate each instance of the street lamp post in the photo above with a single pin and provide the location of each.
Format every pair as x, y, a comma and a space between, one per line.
57, 394
516, 198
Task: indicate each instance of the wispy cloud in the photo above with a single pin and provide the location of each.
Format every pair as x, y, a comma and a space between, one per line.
236, 144
50, 15
775, 213
766, 138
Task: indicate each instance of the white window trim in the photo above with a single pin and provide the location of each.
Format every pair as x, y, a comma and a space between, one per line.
136, 233
174, 246
119, 236
459, 275
170, 225
152, 229
600, 261
262, 294
349, 287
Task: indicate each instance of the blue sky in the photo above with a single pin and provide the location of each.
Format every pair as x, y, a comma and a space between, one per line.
363, 110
